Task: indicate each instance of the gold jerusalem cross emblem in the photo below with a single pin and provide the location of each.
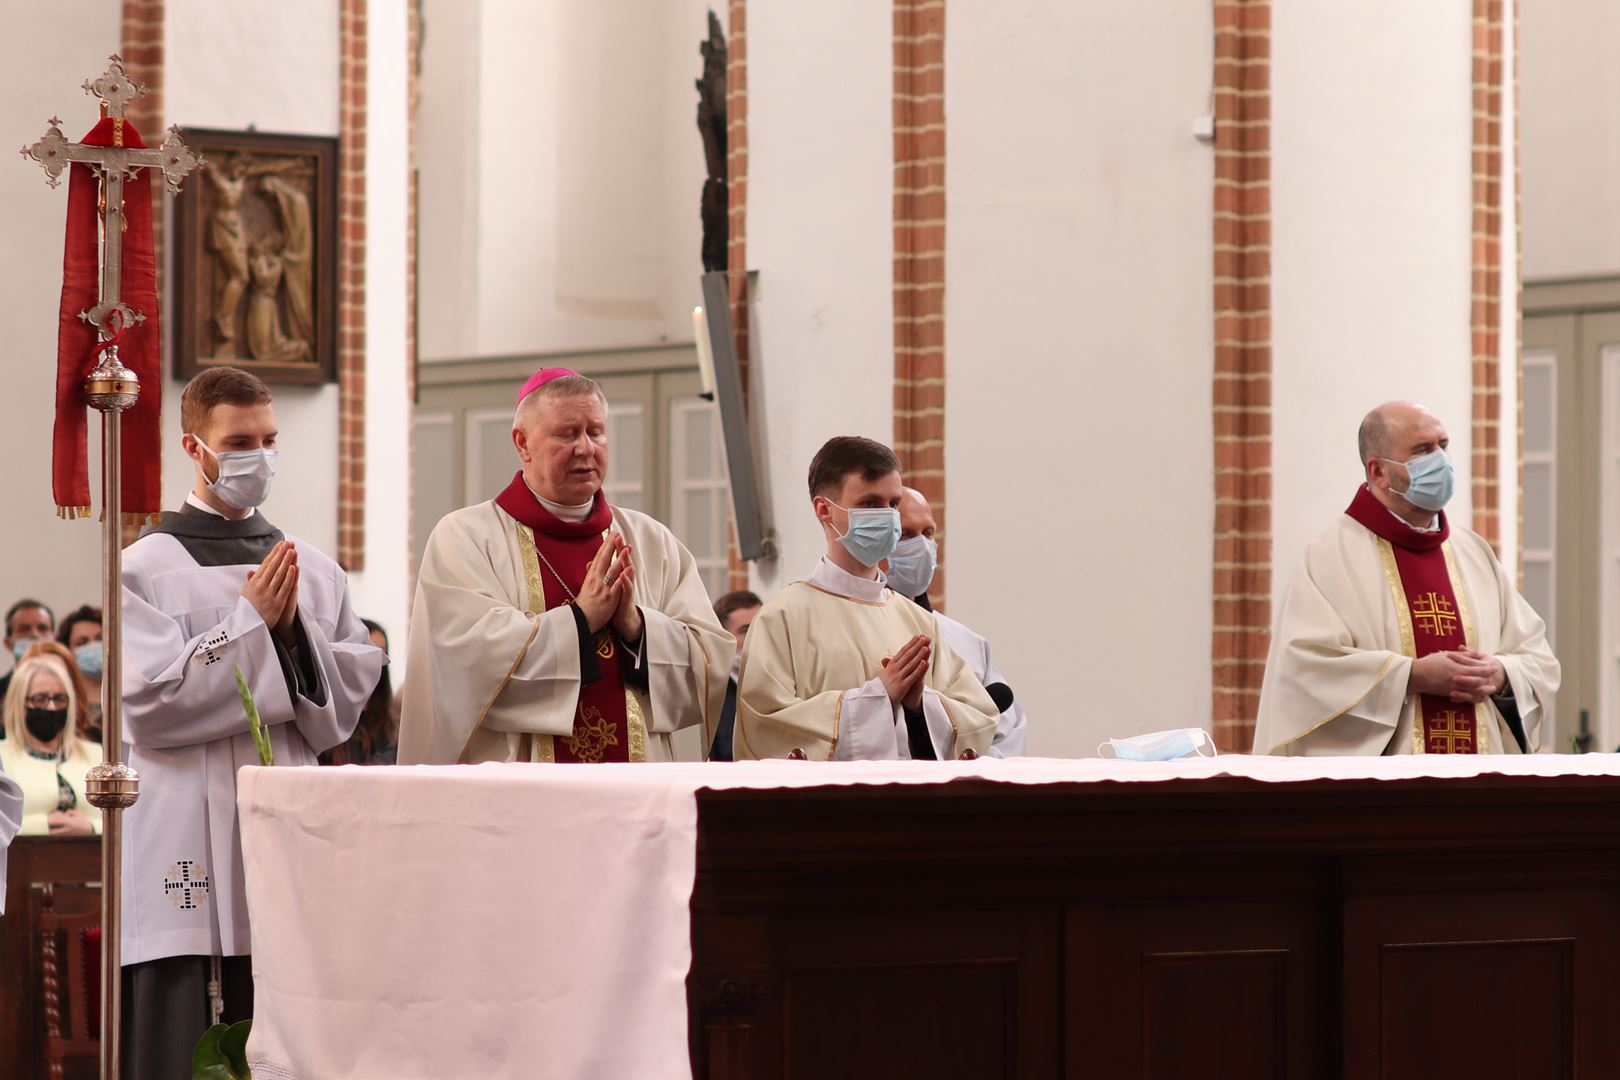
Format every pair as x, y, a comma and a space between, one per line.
1435, 615
1452, 733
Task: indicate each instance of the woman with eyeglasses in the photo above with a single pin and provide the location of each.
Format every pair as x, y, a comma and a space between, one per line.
43, 752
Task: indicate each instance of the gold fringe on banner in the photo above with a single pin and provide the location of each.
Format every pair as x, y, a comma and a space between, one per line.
141, 519
72, 513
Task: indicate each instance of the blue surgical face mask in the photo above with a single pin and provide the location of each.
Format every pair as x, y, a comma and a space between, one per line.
91, 659
1430, 480
873, 533
1162, 745
245, 476
911, 567
22, 645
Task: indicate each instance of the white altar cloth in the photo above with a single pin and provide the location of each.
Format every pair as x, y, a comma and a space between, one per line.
532, 920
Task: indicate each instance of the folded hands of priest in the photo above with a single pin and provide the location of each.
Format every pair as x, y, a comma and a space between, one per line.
1463, 675
272, 589
904, 673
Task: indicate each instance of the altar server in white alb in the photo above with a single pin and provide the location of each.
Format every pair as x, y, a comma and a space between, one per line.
552, 626
11, 801
910, 571
206, 590
1400, 632
838, 666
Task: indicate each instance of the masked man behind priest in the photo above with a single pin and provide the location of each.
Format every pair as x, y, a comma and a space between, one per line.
552, 626
209, 590
838, 666
1400, 633
910, 571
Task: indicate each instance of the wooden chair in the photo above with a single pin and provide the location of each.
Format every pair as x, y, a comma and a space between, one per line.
79, 936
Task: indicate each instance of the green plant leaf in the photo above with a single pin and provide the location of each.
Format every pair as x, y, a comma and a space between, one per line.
207, 1062
221, 1053
233, 1044
261, 738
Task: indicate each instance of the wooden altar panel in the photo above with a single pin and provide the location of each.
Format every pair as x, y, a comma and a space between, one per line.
1163, 989
1517, 982
31, 862
879, 998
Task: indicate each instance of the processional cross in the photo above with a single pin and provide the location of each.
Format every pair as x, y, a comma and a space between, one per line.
110, 388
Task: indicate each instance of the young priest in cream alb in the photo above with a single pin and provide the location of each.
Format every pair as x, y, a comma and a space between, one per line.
839, 666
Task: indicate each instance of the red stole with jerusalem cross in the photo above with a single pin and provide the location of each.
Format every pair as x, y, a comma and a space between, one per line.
608, 725
1433, 616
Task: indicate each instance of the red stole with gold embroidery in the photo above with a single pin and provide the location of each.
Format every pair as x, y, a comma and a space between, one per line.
1432, 616
557, 553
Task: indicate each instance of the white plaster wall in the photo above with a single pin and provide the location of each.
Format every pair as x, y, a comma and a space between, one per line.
382, 591
821, 233
561, 172
60, 45
1507, 444
447, 179
1370, 205
1570, 140
274, 66
1079, 348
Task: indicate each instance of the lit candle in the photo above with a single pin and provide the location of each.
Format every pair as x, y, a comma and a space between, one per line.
705, 351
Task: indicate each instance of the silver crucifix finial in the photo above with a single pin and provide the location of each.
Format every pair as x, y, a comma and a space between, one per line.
115, 87
114, 164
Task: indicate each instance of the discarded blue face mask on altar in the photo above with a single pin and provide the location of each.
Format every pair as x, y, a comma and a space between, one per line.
1161, 745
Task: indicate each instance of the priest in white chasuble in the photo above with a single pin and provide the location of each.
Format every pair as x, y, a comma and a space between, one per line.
839, 666
206, 591
1400, 632
552, 626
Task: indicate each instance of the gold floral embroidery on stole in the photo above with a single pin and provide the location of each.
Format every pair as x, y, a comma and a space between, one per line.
545, 747
1482, 716
541, 748
1403, 619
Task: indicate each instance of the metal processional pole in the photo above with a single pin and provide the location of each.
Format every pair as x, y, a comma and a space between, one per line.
110, 388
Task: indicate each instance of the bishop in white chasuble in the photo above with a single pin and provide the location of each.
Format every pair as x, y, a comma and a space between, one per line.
551, 626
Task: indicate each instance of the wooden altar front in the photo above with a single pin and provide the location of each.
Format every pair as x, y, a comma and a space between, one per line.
1223, 927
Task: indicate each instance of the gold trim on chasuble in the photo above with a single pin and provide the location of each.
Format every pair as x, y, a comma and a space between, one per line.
1403, 616
543, 747
1482, 718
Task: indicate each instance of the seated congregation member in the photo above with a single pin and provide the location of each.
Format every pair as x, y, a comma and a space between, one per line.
209, 590
80, 631
910, 571
838, 666
550, 625
736, 611
1400, 632
27, 621
87, 725
376, 737
43, 752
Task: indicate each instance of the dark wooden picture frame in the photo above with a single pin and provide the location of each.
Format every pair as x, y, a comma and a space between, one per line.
255, 284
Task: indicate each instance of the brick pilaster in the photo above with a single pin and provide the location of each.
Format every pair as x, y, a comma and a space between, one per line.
737, 218
351, 305
919, 254
413, 97
140, 43
1485, 306
1242, 308
1518, 314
